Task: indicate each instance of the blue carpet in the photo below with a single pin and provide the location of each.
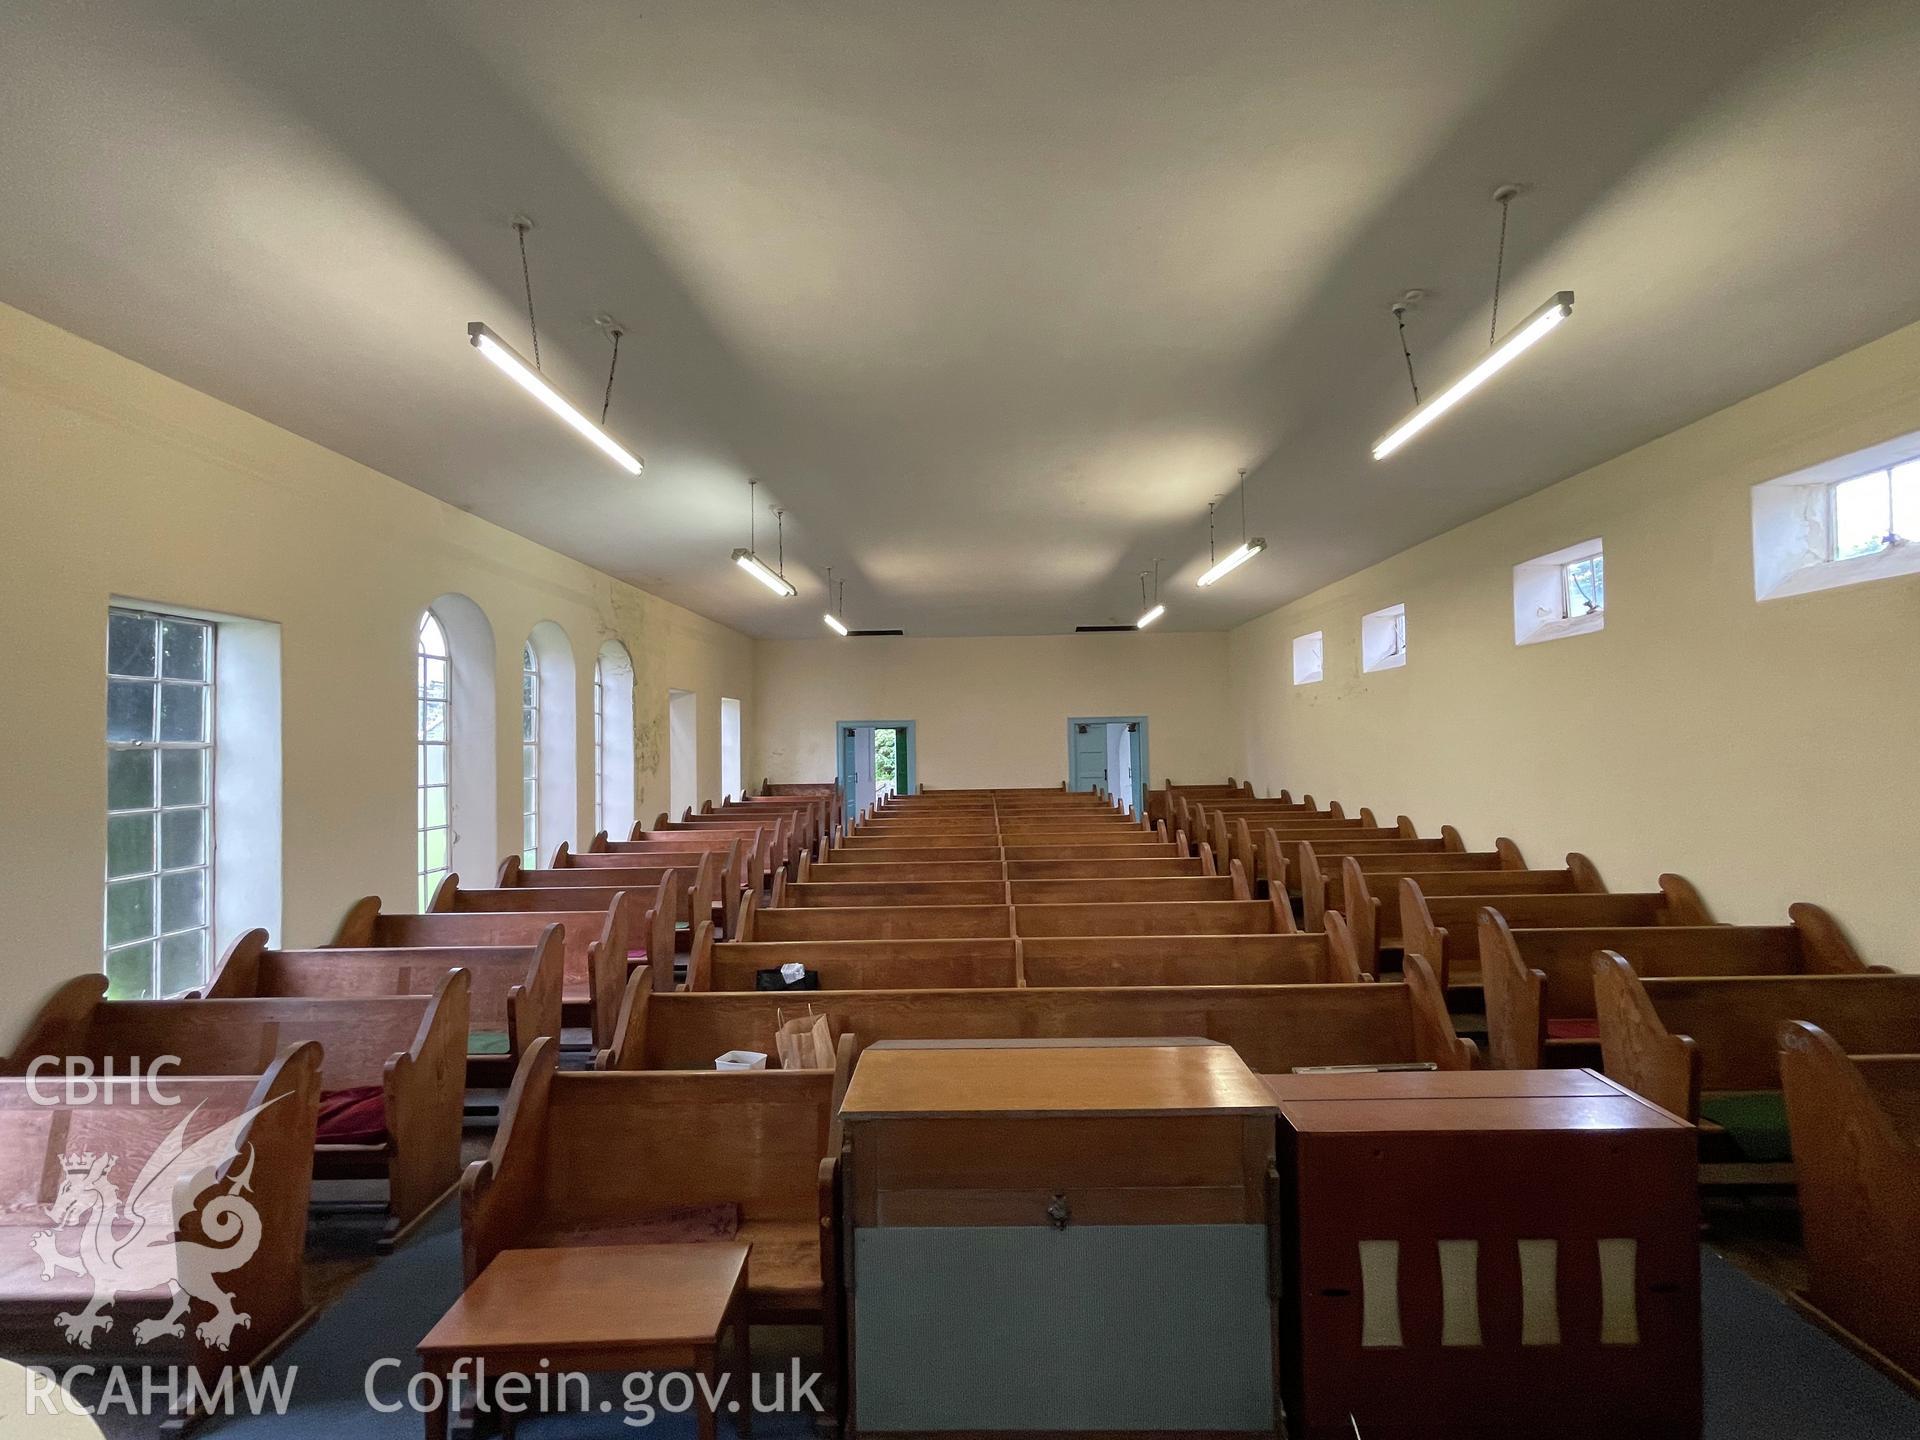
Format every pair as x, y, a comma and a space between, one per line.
1769, 1373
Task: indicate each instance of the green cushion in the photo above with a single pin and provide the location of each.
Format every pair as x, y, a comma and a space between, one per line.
1755, 1122
486, 1042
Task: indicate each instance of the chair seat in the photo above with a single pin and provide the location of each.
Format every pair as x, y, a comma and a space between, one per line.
784, 1268
353, 1116
1745, 1125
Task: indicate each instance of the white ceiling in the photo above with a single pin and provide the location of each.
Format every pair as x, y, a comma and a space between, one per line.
994, 295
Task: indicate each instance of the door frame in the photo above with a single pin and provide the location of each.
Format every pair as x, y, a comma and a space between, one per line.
1138, 798
909, 777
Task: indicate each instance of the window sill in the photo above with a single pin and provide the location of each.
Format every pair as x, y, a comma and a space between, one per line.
1564, 629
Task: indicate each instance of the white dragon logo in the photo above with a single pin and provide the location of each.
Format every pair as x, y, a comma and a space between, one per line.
135, 1245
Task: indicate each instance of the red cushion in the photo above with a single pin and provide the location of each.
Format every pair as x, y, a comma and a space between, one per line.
357, 1116
1573, 1029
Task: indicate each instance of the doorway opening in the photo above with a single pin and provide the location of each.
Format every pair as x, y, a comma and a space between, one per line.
1108, 752
876, 760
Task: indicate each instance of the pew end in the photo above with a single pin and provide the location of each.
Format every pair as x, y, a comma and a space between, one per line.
1637, 1048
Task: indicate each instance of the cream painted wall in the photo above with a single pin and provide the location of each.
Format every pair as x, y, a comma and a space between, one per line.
115, 481
1770, 752
992, 710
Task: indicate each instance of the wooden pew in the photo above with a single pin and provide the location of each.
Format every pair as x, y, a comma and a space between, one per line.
1274, 1027
1539, 981
1169, 917
807, 817
584, 939
1159, 802
606, 931
80, 1155
772, 840
1322, 958
840, 872
912, 854
1280, 850
744, 865
1131, 890
698, 885
584, 1157
410, 1050
1317, 876
513, 991
1376, 918
873, 922
1446, 928
1064, 961
858, 964
1856, 1147
1708, 1048
1147, 848
810, 895
1154, 867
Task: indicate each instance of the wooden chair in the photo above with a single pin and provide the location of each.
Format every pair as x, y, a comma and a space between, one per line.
1539, 982
1708, 1048
607, 932
1446, 928
1856, 1145
409, 1051
79, 1154
613, 1157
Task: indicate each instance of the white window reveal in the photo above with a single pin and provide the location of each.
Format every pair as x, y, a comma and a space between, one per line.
160, 755
1383, 639
1309, 658
1562, 594
1850, 520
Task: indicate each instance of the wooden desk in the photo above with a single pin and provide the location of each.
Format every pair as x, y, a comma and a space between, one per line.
595, 1309
1494, 1254
1059, 1236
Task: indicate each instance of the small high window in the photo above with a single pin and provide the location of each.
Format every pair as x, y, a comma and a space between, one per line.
1383, 639
1309, 658
1844, 522
1561, 594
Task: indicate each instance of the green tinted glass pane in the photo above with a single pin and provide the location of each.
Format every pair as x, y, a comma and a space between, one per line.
129, 710
183, 838
433, 765
129, 644
129, 911
183, 777
129, 779
435, 802
130, 844
433, 720
183, 656
529, 831
527, 720
182, 962
183, 712
183, 900
130, 973
434, 850
529, 761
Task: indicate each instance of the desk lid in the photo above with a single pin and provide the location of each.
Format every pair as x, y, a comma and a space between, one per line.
931, 1079
1463, 1100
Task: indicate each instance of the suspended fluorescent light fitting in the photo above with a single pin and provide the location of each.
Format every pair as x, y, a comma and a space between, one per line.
774, 580
527, 375
832, 617
1223, 565
1501, 353
1156, 610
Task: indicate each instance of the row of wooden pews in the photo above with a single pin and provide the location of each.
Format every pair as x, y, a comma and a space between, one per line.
349, 1061
1715, 1022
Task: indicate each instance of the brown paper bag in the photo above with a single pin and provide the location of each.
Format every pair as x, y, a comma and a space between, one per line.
804, 1040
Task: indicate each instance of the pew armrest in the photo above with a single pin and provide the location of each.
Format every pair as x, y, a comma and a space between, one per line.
1637, 1049
500, 1195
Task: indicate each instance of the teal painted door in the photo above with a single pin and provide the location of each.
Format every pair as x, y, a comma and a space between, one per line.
1089, 756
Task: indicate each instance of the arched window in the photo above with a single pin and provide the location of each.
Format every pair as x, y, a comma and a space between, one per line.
433, 692
613, 740
529, 757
